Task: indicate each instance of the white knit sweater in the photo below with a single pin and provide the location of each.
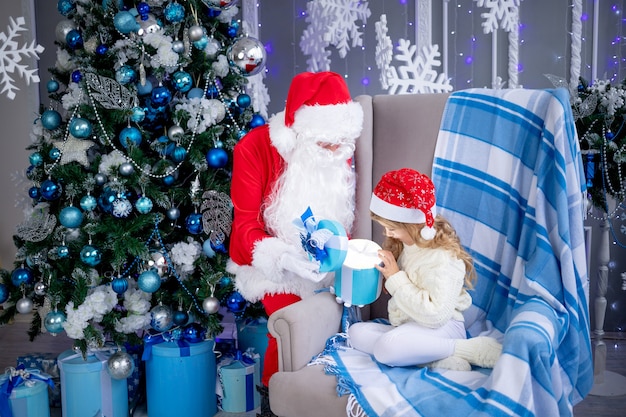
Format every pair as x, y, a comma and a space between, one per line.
428, 289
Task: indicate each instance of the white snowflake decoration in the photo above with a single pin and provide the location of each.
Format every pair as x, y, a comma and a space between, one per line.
384, 50
502, 13
332, 22
11, 54
259, 94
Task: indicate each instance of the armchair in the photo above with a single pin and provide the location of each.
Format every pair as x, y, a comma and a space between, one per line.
507, 167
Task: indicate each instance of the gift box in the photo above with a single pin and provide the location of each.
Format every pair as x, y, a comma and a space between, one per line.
24, 393
239, 377
87, 389
358, 282
46, 363
324, 241
252, 336
180, 379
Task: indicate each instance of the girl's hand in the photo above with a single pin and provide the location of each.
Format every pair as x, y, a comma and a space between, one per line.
388, 265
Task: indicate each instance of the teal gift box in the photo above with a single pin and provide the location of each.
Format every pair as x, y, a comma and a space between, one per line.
358, 282
252, 336
46, 363
28, 397
239, 377
180, 379
87, 389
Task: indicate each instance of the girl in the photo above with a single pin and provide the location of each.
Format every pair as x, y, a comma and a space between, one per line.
427, 273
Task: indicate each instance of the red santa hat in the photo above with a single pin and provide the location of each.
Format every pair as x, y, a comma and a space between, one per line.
406, 196
318, 108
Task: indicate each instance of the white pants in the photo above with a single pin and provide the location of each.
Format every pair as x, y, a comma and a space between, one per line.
408, 344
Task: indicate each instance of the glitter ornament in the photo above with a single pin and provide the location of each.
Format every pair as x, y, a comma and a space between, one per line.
90, 255
24, 305
88, 203
80, 128
161, 318
125, 22
66, 7
247, 55
126, 75
149, 281
53, 322
174, 13
50, 119
71, 217
120, 365
50, 190
144, 205
138, 114
121, 208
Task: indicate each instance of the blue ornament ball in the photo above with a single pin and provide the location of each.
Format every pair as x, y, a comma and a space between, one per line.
236, 303
193, 222
225, 281
88, 203
4, 293
55, 153
34, 193
50, 119
169, 180
144, 205
66, 7
119, 285
74, 39
50, 190
76, 76
173, 213
201, 43
195, 93
182, 81
149, 281
125, 22
194, 333
80, 127
90, 255
138, 114
161, 96
71, 217
35, 159
180, 317
144, 89
178, 154
130, 136
52, 86
207, 248
126, 75
212, 92
143, 9
63, 251
102, 49
21, 276
174, 12
257, 120
217, 158
243, 100
161, 318
53, 322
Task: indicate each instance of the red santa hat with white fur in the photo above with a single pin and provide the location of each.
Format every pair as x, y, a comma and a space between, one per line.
406, 196
318, 108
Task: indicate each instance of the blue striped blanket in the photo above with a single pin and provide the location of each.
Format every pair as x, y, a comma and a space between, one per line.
509, 177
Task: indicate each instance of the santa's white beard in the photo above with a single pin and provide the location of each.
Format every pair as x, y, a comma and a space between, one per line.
314, 177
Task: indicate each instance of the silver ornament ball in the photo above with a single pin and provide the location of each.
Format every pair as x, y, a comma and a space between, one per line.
100, 178
126, 169
24, 305
62, 29
41, 288
196, 32
178, 47
120, 365
211, 305
175, 132
173, 213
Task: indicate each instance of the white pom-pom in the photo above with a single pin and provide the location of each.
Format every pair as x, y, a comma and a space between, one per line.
428, 233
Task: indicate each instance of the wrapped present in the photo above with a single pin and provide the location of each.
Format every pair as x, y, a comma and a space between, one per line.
46, 363
24, 393
180, 375
87, 389
134, 380
252, 336
325, 241
239, 377
358, 282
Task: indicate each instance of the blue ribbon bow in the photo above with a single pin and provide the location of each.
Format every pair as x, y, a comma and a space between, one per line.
18, 376
312, 238
181, 336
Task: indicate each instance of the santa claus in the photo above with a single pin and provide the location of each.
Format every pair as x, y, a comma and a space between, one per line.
300, 159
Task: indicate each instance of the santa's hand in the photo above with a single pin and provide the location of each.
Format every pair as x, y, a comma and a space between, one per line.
301, 266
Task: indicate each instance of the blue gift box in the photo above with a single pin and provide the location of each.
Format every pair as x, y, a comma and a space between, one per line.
325, 241
28, 398
46, 363
239, 378
87, 389
181, 380
252, 336
358, 282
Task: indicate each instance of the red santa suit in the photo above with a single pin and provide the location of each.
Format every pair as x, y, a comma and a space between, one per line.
298, 160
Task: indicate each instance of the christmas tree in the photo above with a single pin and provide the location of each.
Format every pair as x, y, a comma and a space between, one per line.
130, 167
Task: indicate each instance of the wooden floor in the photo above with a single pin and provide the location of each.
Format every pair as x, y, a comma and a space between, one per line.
14, 342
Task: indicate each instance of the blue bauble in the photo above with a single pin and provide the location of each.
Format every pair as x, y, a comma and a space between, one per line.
52, 86
207, 248
34, 193
257, 120
35, 159
169, 180
54, 153
180, 317
138, 114
195, 93
217, 158
232, 31
126, 75
21, 276
76, 76
144, 205
144, 89
212, 92
130, 135
74, 39
90, 255
243, 100
102, 49
178, 154
50, 190
174, 12
149, 281
119, 285
125, 22
54, 321
235, 302
182, 81
201, 43
50, 119
66, 7
143, 9
193, 222
71, 217
161, 318
80, 127
161, 96
63, 251
194, 333
4, 293
173, 213
88, 203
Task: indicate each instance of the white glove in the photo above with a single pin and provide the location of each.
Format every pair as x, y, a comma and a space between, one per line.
301, 266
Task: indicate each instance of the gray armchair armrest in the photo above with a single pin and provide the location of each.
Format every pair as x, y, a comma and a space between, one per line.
302, 329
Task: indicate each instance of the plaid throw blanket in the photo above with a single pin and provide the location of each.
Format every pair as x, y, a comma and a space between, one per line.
509, 177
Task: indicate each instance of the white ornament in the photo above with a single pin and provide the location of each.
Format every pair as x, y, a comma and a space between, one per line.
74, 149
122, 208
384, 50
11, 56
502, 13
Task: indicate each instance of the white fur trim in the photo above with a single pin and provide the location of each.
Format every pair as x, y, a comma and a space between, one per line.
398, 214
282, 137
428, 233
